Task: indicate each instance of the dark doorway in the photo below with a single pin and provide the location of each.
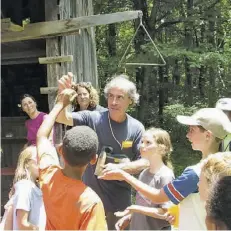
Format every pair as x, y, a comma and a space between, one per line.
17, 80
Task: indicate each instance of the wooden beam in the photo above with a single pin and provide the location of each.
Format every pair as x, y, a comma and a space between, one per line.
66, 27
7, 25
48, 90
56, 59
7, 171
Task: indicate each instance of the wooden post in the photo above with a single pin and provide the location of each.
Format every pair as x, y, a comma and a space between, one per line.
81, 46
53, 70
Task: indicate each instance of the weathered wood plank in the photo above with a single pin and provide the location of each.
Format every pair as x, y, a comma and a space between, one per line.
56, 59
66, 27
81, 46
7, 25
48, 90
53, 70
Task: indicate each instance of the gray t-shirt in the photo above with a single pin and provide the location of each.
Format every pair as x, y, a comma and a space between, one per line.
28, 197
116, 195
158, 180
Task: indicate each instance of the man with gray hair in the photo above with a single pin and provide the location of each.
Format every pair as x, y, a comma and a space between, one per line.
116, 130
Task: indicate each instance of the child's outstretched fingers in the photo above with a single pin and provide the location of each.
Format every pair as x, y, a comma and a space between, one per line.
65, 82
66, 97
116, 174
169, 218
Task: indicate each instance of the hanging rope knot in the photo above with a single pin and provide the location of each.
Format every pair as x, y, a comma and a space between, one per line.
140, 16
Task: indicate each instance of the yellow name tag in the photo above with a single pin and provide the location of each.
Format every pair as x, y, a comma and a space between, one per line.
127, 144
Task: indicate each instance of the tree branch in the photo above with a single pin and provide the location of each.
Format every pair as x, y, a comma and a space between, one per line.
168, 23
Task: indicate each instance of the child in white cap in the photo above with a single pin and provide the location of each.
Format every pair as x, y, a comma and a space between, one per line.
207, 128
225, 105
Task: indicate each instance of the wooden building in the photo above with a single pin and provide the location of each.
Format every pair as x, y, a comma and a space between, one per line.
41, 40
22, 73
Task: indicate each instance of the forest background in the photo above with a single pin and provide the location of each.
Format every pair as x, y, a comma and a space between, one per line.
195, 40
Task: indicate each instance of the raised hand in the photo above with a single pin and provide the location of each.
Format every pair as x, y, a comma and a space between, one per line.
65, 82
66, 97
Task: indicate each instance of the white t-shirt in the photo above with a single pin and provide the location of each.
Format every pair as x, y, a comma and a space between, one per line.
184, 191
28, 197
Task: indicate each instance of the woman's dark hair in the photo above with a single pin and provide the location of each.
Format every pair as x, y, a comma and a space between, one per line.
22, 97
25, 96
219, 202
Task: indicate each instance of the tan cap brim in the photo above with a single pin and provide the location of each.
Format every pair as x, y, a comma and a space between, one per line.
228, 128
187, 120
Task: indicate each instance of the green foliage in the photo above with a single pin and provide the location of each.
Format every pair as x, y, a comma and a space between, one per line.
196, 44
183, 155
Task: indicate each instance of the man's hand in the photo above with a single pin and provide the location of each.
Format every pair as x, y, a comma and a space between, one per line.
115, 174
110, 166
66, 97
65, 82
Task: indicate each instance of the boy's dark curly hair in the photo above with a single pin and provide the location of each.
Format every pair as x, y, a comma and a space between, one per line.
80, 144
219, 203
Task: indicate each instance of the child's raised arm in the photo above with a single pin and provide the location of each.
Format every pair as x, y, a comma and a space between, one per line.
46, 153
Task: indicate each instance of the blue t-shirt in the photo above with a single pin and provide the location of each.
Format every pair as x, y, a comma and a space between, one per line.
116, 195
182, 186
184, 190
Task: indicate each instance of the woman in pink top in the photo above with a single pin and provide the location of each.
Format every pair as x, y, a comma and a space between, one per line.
29, 106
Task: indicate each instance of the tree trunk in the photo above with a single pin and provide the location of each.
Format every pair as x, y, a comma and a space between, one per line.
176, 73
188, 83
189, 45
111, 40
201, 82
161, 94
212, 73
143, 77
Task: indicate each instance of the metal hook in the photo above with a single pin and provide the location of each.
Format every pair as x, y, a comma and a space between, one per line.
140, 16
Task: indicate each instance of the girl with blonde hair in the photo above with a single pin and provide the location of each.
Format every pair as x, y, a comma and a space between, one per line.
214, 167
207, 128
156, 147
26, 197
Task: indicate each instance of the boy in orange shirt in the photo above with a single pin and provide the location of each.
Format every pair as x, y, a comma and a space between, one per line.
69, 204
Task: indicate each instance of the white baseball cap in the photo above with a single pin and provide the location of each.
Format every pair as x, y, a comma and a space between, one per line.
211, 119
224, 104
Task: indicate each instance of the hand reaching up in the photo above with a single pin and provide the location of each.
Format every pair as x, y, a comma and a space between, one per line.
65, 82
66, 97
